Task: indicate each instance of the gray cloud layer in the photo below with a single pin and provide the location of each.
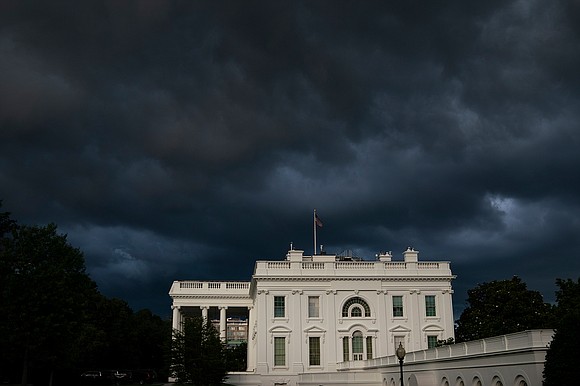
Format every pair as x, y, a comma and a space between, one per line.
185, 140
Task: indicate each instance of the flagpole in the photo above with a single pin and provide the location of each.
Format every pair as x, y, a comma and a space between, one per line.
314, 224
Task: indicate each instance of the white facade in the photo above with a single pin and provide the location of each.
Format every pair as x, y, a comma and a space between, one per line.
308, 314
506, 360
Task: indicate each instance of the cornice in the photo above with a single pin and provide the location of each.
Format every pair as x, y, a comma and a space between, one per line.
350, 278
216, 296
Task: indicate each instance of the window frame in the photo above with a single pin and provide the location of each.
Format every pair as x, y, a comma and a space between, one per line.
369, 347
396, 307
358, 346
279, 308
346, 349
430, 309
315, 307
355, 301
314, 351
432, 341
279, 354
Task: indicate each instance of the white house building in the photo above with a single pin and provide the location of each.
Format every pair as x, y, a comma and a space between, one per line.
310, 314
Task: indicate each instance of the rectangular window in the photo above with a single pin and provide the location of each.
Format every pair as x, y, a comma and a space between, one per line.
369, 347
431, 341
313, 306
345, 350
279, 351
430, 305
397, 306
279, 306
314, 350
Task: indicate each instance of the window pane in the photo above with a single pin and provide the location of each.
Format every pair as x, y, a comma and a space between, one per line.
279, 351
397, 306
357, 346
430, 305
369, 347
314, 349
345, 351
359, 301
313, 307
356, 312
279, 306
431, 341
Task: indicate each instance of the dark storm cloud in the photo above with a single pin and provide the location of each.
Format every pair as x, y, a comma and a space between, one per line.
185, 140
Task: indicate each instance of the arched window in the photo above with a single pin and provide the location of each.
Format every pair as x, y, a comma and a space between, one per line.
356, 312
357, 346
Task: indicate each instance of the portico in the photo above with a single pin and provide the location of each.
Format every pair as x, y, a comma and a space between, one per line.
210, 300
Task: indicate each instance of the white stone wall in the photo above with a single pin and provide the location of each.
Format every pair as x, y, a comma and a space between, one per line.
334, 282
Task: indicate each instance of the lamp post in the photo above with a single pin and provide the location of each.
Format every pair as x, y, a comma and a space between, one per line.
401, 355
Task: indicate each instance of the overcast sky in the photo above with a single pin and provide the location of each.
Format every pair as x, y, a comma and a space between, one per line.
176, 140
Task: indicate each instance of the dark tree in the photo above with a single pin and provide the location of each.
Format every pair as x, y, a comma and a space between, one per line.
43, 297
236, 357
54, 319
197, 354
502, 307
150, 335
562, 357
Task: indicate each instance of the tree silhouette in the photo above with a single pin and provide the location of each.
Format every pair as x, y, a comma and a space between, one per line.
502, 307
561, 359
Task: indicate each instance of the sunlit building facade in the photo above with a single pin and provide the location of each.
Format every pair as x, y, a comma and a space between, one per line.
309, 314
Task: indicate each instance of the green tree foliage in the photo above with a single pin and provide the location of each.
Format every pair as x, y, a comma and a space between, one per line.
237, 357
502, 307
197, 354
119, 338
562, 357
53, 318
445, 342
44, 297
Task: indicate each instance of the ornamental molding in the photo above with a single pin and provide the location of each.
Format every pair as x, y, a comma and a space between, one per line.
446, 278
217, 296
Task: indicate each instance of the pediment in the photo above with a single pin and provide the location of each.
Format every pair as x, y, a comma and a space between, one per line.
280, 329
315, 329
432, 327
399, 328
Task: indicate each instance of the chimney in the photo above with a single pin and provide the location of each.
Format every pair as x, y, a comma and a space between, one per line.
411, 255
384, 256
294, 255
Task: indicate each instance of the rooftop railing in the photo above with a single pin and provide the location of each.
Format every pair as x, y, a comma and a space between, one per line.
351, 268
209, 287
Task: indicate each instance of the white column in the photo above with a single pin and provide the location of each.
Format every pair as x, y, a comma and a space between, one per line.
447, 314
251, 347
176, 322
414, 339
381, 341
333, 349
204, 313
296, 346
223, 320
